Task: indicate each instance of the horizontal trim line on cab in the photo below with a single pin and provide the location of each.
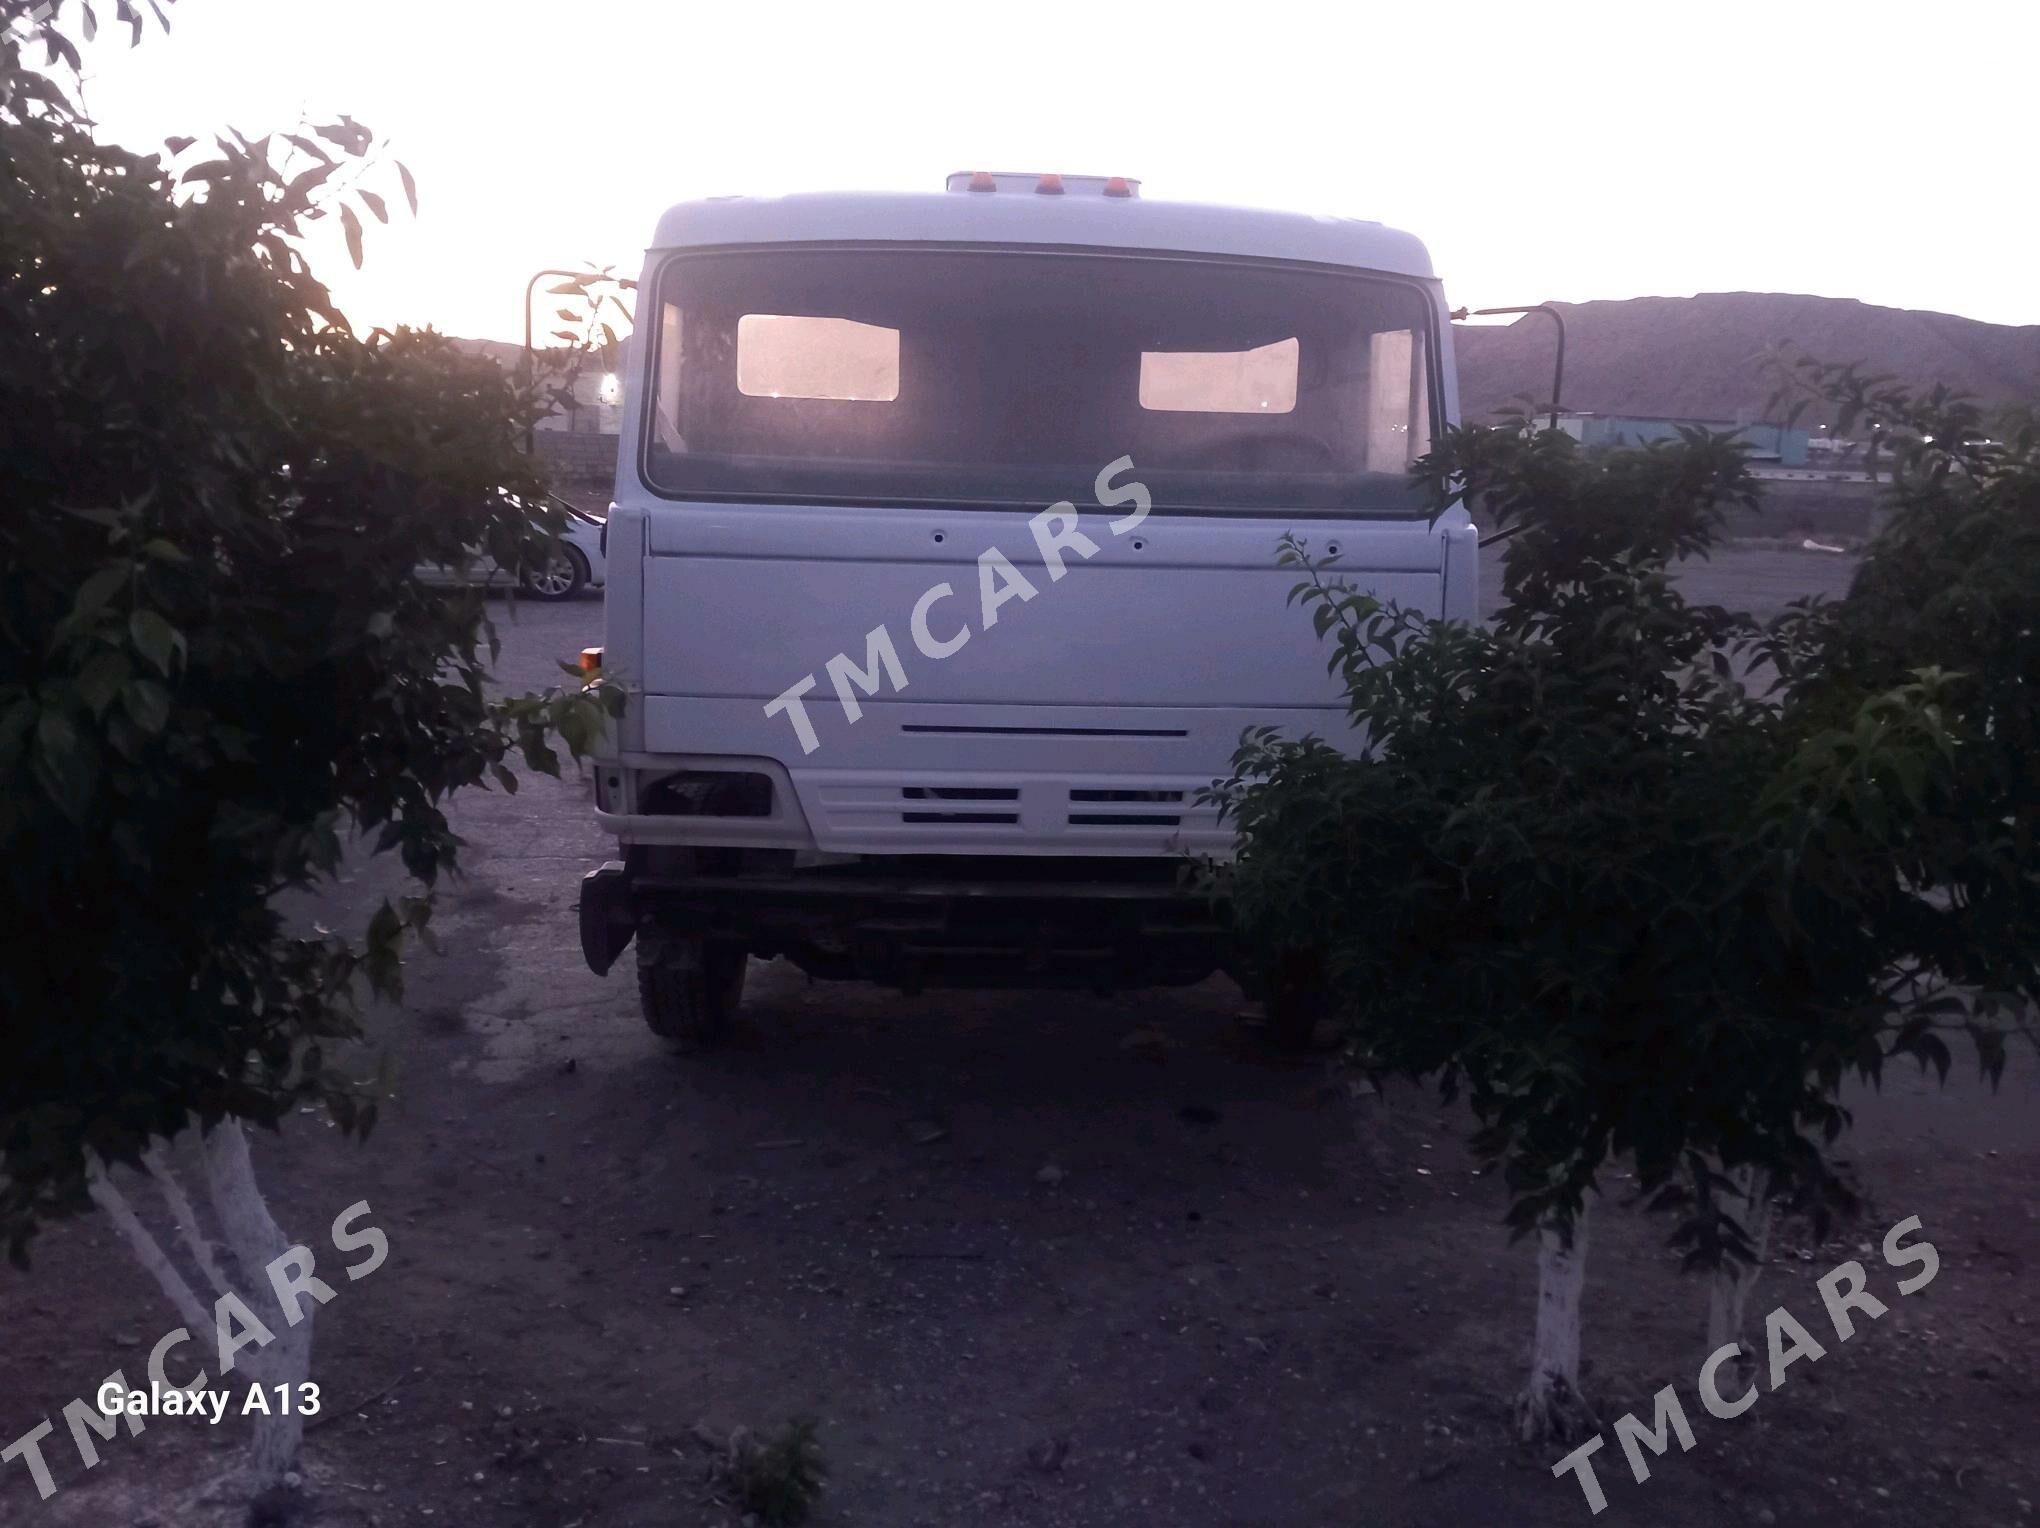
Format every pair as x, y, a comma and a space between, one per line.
1050, 731
873, 703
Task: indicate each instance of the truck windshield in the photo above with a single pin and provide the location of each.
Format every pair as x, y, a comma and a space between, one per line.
944, 375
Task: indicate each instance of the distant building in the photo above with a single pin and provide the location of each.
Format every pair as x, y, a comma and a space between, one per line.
1780, 443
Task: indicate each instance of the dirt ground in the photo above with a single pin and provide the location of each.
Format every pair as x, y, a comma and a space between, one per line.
1030, 1260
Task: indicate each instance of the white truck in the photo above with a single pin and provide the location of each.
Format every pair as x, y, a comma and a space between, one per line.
942, 571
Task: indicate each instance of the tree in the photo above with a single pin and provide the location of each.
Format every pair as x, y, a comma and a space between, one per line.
1561, 866
1950, 587
217, 664
1903, 812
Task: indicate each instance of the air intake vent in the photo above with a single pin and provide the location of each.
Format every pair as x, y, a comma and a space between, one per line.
961, 793
1129, 815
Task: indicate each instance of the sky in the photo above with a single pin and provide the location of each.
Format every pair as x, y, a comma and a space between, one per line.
1557, 152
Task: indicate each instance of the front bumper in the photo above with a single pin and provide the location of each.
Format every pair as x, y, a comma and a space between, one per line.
910, 924
607, 920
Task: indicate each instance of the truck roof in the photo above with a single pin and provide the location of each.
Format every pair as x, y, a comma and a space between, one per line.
1009, 217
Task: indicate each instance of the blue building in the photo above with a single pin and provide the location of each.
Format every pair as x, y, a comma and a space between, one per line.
1779, 443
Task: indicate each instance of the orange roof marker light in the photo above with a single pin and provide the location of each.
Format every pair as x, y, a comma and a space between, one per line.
1118, 187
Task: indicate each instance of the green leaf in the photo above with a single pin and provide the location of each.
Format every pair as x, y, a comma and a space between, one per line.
351, 225
66, 766
210, 172
16, 723
101, 680
347, 135
385, 927
308, 146
97, 590
155, 639
148, 704
298, 193
60, 47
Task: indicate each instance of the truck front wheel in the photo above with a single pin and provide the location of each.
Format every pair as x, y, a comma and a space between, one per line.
689, 987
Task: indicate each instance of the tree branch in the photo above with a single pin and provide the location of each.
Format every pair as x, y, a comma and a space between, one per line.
100, 1185
184, 1215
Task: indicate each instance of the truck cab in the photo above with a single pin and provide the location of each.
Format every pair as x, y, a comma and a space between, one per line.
942, 571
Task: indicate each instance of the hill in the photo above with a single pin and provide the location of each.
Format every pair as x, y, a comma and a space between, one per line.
1693, 357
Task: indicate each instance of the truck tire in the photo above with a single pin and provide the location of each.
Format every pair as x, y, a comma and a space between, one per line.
689, 987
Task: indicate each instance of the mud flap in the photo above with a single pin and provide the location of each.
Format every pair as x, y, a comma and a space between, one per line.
606, 921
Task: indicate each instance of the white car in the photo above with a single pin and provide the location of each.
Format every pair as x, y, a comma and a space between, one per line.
582, 563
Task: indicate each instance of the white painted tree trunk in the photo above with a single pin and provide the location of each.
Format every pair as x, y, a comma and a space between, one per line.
1550, 1405
235, 1261
1728, 1294
257, 1241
